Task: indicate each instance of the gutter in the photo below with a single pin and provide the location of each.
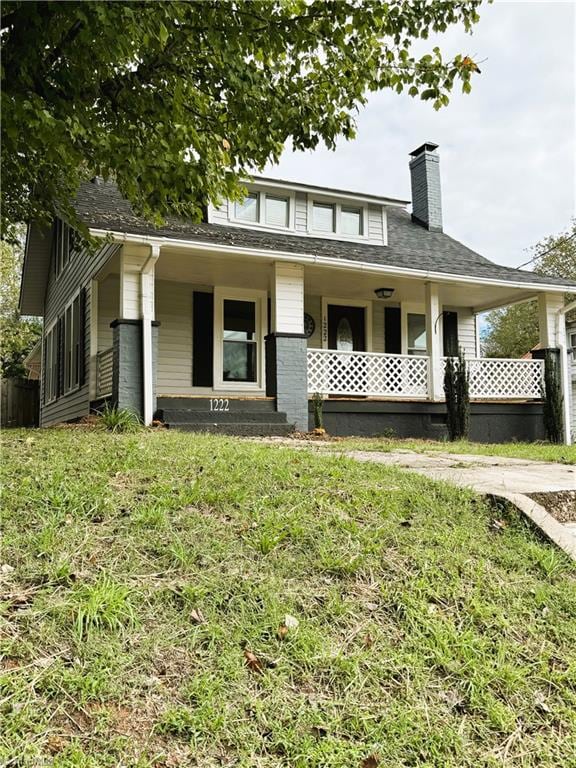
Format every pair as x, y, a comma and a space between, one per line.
309, 258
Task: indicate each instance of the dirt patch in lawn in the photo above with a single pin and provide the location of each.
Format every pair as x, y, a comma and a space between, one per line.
560, 504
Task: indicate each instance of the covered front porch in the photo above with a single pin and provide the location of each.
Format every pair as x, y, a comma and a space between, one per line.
221, 328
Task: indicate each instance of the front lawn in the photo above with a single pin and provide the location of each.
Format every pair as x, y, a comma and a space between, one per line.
562, 454
182, 600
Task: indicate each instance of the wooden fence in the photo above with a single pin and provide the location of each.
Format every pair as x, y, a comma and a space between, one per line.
19, 403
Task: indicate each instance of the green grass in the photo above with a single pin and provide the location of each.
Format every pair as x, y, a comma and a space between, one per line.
148, 585
562, 454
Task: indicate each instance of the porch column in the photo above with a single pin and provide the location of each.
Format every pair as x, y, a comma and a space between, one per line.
552, 324
135, 333
434, 342
286, 368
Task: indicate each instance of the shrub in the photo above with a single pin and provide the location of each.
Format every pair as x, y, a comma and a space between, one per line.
553, 399
457, 392
317, 404
119, 419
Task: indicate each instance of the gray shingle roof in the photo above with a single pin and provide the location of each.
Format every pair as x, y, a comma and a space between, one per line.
410, 246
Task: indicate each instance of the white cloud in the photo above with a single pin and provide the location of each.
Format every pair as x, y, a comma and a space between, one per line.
508, 150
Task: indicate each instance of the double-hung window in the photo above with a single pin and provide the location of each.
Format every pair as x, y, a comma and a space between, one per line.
72, 345
336, 219
239, 361
266, 209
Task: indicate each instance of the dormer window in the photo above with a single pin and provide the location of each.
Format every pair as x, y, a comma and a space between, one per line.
265, 209
351, 221
248, 209
323, 217
276, 211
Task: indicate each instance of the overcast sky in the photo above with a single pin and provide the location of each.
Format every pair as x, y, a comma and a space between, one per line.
507, 150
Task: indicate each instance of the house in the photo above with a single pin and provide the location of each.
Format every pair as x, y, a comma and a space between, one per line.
234, 323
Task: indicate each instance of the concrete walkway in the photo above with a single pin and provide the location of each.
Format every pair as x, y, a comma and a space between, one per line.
507, 478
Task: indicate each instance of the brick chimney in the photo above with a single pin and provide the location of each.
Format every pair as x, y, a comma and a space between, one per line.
425, 177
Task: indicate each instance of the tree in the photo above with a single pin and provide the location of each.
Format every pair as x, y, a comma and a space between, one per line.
17, 335
513, 331
179, 101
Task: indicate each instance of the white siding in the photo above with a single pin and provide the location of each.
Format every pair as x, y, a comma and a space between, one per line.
313, 306
467, 331
301, 212
288, 298
219, 215
375, 226
378, 326
174, 312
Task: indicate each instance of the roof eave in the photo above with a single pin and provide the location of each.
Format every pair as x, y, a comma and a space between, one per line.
310, 258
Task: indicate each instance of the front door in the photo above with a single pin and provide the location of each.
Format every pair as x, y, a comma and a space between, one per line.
346, 328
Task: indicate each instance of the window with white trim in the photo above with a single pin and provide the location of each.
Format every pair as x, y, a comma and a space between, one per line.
269, 210
323, 217
51, 364
277, 209
72, 345
416, 327
351, 221
248, 209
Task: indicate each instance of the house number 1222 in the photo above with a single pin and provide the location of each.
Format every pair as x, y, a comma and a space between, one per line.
219, 404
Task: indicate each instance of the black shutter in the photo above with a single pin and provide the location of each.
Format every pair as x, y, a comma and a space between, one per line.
392, 330
82, 339
203, 339
450, 334
60, 357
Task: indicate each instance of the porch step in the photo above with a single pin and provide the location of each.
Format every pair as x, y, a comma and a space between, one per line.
235, 405
244, 429
184, 415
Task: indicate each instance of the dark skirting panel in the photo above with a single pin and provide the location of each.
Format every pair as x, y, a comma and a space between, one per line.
489, 422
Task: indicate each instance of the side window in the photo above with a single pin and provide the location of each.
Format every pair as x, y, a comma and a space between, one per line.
61, 246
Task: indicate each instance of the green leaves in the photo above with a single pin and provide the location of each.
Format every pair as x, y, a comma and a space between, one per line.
143, 92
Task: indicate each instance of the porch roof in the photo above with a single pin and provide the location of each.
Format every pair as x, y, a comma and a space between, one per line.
410, 246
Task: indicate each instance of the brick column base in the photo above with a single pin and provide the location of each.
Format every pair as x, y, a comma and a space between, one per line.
127, 386
286, 376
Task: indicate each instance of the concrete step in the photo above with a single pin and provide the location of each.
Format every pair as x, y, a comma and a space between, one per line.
181, 415
210, 404
244, 429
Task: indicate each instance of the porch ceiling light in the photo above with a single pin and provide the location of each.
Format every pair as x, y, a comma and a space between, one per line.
384, 293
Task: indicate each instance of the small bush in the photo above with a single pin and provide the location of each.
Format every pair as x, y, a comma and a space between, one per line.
553, 399
456, 390
317, 404
119, 419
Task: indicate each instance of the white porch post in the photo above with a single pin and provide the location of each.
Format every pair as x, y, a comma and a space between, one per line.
286, 362
434, 342
133, 341
549, 305
147, 310
552, 322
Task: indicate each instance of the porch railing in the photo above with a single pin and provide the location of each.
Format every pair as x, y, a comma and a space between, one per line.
368, 374
104, 372
503, 379
372, 374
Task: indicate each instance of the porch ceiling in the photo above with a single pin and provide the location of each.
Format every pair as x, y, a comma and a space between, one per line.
241, 271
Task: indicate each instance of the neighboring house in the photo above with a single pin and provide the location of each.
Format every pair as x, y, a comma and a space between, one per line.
233, 324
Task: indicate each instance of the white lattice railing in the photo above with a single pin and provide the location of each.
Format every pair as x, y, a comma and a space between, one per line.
104, 372
503, 379
368, 374
371, 374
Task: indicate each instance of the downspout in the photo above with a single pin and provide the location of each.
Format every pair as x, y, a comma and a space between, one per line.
147, 312
564, 369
